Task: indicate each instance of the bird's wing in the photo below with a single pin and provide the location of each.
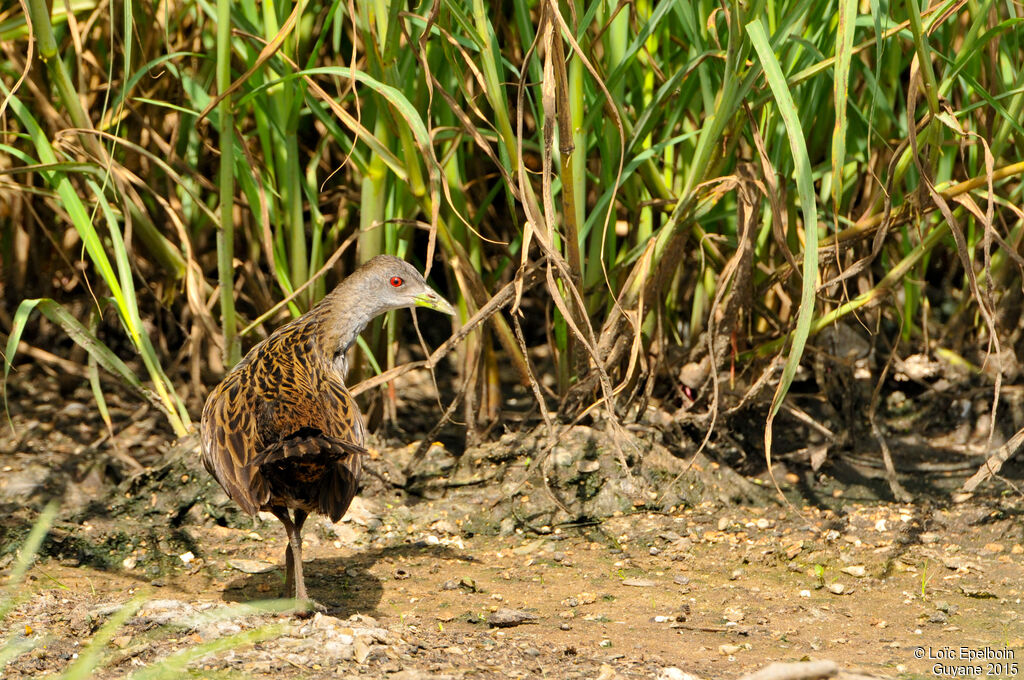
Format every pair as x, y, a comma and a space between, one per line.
283, 391
230, 438
299, 388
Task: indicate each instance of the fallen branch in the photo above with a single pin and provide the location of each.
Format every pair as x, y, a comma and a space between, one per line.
995, 462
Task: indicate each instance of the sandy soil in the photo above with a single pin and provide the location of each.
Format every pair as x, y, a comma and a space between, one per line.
153, 576
715, 592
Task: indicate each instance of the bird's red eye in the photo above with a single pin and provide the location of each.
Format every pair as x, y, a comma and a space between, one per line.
397, 281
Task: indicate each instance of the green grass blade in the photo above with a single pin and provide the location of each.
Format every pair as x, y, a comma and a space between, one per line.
841, 95
805, 190
81, 336
226, 186
68, 196
93, 370
392, 94
121, 284
132, 321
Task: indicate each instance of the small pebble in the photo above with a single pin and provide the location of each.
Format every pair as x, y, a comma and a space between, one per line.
445, 527
733, 614
505, 618
673, 673
251, 566
639, 582
361, 651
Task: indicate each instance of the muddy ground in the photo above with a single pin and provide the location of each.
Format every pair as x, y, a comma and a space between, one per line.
478, 568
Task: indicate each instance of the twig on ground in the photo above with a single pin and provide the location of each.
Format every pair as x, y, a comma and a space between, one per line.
995, 462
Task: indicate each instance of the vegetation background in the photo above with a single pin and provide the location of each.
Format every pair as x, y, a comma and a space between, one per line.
625, 194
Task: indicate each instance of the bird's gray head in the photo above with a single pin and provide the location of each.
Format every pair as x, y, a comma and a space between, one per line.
387, 282
382, 284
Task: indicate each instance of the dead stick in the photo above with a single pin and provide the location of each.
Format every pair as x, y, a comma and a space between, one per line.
993, 464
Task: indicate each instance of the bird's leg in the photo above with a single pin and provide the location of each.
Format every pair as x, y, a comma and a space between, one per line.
289, 570
295, 545
293, 560
281, 513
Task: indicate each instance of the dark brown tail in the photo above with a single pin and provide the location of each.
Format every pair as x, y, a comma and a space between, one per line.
308, 443
313, 470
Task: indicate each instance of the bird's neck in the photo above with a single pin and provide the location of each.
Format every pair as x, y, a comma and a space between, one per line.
344, 313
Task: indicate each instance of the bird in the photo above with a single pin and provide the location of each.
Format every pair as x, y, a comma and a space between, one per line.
281, 432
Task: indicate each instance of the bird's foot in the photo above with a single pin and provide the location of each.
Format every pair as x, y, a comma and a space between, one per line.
306, 607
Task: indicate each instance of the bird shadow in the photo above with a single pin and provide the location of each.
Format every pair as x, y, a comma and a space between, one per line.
344, 585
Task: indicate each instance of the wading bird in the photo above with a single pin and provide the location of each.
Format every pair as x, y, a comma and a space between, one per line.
281, 432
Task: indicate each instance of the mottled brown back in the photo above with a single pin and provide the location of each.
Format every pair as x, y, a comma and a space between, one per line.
282, 429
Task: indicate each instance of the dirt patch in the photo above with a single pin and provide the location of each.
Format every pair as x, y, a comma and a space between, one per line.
509, 560
715, 592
